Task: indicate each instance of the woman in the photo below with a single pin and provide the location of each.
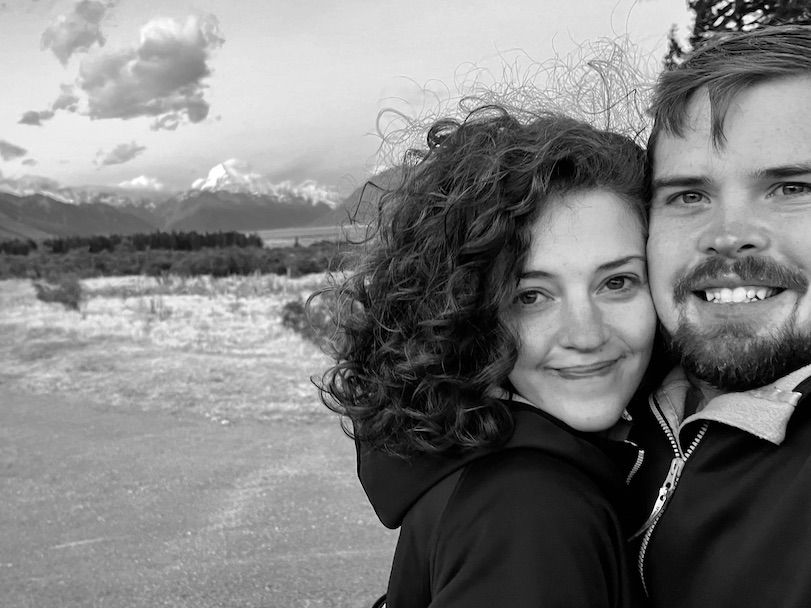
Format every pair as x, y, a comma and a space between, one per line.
500, 318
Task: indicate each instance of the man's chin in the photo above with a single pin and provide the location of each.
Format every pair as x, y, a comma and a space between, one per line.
730, 358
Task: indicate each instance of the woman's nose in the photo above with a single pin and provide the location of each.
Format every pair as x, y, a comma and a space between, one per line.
583, 327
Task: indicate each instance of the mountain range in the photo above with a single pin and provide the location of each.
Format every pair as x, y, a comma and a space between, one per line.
39, 216
230, 198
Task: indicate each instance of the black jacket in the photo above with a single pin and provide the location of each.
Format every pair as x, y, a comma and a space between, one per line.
736, 530
532, 524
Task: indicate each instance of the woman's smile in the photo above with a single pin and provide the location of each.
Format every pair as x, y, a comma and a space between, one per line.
589, 370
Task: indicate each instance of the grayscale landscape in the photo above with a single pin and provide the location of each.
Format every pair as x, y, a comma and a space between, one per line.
175, 180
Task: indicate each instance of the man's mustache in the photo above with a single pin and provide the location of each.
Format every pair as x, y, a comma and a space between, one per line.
754, 270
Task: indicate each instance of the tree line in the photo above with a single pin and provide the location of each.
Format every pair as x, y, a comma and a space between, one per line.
168, 241
720, 17
214, 261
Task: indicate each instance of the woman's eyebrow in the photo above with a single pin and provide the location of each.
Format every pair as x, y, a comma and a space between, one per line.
542, 274
620, 262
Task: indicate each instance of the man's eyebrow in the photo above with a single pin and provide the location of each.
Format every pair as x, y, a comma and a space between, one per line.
697, 181
680, 181
783, 171
542, 274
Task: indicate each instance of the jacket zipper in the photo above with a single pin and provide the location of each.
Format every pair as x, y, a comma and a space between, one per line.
640, 457
668, 486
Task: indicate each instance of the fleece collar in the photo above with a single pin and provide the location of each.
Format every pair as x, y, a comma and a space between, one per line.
763, 412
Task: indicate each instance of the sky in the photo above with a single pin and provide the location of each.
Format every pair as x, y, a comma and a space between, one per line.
155, 93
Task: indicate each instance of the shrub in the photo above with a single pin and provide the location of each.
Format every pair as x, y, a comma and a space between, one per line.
17, 246
67, 290
312, 321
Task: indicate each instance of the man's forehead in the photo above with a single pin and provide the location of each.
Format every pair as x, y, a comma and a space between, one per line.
685, 153
765, 124
698, 112
694, 131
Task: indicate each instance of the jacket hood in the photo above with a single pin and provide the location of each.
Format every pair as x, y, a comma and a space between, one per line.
393, 484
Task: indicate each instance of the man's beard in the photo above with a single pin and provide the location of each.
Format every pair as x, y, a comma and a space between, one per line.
730, 358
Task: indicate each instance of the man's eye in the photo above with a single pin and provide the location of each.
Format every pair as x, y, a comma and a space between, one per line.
688, 198
793, 189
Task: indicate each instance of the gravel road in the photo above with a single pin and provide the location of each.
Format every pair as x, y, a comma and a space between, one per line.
102, 507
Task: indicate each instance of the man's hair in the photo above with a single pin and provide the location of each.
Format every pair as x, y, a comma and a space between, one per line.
725, 66
421, 341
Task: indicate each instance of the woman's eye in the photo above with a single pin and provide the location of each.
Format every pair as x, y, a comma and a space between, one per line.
615, 283
531, 297
622, 283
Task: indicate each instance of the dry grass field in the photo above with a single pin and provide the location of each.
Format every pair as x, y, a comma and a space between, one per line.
211, 346
164, 446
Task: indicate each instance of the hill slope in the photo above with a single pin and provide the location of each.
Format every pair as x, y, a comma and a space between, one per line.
361, 205
211, 211
37, 216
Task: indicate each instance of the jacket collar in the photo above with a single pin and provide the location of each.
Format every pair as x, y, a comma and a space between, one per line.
393, 484
763, 412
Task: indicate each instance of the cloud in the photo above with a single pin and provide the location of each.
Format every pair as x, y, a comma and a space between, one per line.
143, 182
122, 153
29, 162
10, 151
67, 100
161, 78
29, 184
32, 117
167, 122
75, 32
311, 191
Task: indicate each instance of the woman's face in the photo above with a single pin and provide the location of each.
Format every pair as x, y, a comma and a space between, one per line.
582, 312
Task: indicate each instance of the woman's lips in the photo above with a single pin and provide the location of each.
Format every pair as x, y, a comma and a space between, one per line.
577, 372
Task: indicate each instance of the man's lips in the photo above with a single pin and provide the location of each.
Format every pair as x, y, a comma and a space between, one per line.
737, 295
746, 280
731, 289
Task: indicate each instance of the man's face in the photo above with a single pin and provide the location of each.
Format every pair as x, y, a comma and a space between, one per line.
730, 237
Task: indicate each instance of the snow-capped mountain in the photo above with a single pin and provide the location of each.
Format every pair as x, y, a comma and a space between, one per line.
115, 196
236, 176
231, 197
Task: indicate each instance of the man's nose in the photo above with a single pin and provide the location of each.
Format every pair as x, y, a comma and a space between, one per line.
732, 236
583, 327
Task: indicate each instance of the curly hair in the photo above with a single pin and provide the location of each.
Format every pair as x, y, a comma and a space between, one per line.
725, 66
420, 340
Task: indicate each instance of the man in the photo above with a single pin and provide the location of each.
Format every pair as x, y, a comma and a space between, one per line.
727, 476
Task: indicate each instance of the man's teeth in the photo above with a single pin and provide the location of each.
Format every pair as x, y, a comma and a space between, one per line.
726, 295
